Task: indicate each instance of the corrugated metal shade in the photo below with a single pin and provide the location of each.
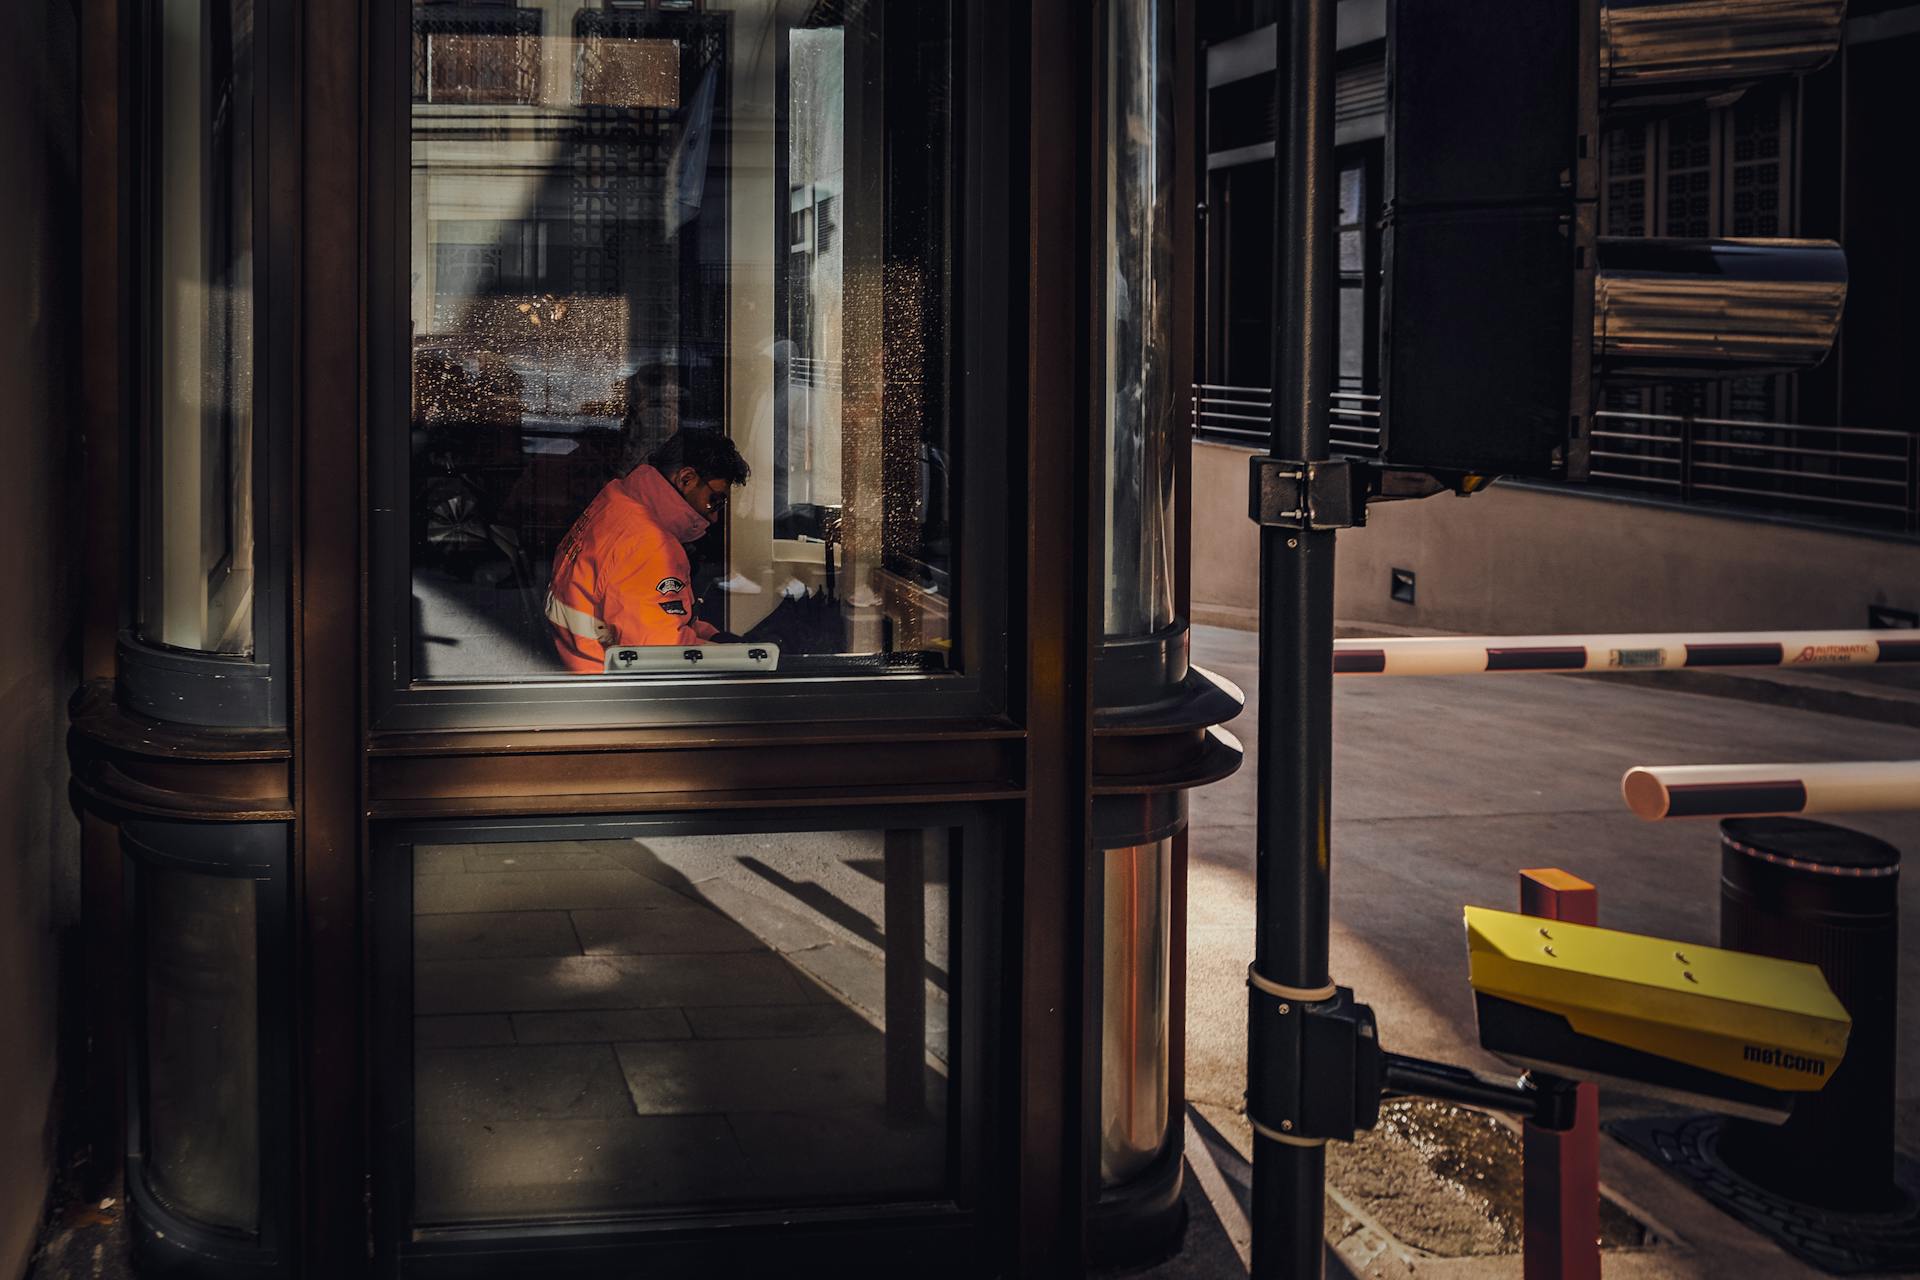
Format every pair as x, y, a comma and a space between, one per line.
1664, 44
1716, 308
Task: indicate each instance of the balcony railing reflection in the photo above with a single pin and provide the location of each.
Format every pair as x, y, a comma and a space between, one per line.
1242, 415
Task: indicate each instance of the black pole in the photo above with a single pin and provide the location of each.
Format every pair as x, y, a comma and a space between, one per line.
1296, 622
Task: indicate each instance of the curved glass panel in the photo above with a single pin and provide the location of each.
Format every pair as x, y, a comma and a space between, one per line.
197, 552
1136, 942
202, 1105
679, 355
1138, 301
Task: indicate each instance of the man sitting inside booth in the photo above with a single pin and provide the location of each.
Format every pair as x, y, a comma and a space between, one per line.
621, 575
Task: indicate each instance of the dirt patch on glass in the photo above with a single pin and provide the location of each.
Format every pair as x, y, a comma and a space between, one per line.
1447, 1180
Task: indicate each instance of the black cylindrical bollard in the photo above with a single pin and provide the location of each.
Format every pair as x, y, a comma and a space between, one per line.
1810, 891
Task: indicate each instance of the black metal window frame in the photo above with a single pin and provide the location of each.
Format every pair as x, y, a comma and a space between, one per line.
940, 1237
260, 852
181, 685
985, 411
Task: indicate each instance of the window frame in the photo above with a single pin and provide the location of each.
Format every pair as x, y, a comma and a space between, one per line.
960, 1228
983, 412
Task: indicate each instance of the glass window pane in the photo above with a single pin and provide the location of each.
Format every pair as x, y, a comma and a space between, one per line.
607, 1026
1352, 195
197, 555
1352, 349
1353, 252
679, 341
203, 1047
1138, 338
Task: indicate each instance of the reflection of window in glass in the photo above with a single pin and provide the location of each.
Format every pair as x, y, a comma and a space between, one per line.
197, 555
1351, 239
642, 220
808, 443
605, 1026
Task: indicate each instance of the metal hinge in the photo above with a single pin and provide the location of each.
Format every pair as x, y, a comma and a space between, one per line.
1308, 495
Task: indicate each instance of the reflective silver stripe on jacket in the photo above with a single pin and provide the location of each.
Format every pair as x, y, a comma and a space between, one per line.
583, 625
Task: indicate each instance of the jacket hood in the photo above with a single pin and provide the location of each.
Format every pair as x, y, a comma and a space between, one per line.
663, 502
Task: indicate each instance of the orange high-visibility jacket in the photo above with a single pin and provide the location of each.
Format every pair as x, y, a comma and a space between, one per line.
621, 576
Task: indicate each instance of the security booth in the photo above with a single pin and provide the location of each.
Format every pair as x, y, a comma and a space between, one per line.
842, 929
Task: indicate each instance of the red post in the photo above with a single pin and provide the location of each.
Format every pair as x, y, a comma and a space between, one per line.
1561, 1199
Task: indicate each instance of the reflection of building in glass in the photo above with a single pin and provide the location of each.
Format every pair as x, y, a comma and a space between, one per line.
1832, 446
619, 229
807, 451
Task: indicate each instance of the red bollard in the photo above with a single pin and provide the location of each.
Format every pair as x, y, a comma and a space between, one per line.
1561, 1196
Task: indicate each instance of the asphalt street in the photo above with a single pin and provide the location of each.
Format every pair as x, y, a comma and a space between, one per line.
1444, 788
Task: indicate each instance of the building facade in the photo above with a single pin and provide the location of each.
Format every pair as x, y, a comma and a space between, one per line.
1776, 501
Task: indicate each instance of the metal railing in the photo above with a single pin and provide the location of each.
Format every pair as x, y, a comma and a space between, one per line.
1857, 476
1243, 416
806, 371
1860, 477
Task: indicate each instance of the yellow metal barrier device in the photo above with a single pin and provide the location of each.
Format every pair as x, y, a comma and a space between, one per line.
1726, 1030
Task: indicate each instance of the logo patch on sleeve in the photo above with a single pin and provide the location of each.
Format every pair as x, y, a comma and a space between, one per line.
675, 607
670, 586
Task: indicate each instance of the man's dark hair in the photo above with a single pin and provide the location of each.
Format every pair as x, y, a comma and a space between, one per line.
710, 454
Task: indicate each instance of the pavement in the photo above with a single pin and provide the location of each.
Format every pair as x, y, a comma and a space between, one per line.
1444, 787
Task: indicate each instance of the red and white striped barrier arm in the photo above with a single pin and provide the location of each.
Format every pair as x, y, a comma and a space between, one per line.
1476, 655
1750, 790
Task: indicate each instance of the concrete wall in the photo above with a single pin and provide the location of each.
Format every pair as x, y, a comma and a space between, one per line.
1226, 545
1519, 560
39, 839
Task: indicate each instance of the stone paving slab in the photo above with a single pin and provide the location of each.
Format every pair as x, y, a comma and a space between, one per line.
440, 859
773, 1021
603, 982
780, 927
741, 1076
601, 1026
547, 1168
550, 891
514, 858
670, 928
488, 935
462, 1029
519, 1082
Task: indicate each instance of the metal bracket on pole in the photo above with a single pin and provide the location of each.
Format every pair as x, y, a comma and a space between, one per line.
1319, 1074
1330, 494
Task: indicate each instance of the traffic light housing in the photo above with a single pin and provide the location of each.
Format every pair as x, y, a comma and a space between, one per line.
1501, 306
